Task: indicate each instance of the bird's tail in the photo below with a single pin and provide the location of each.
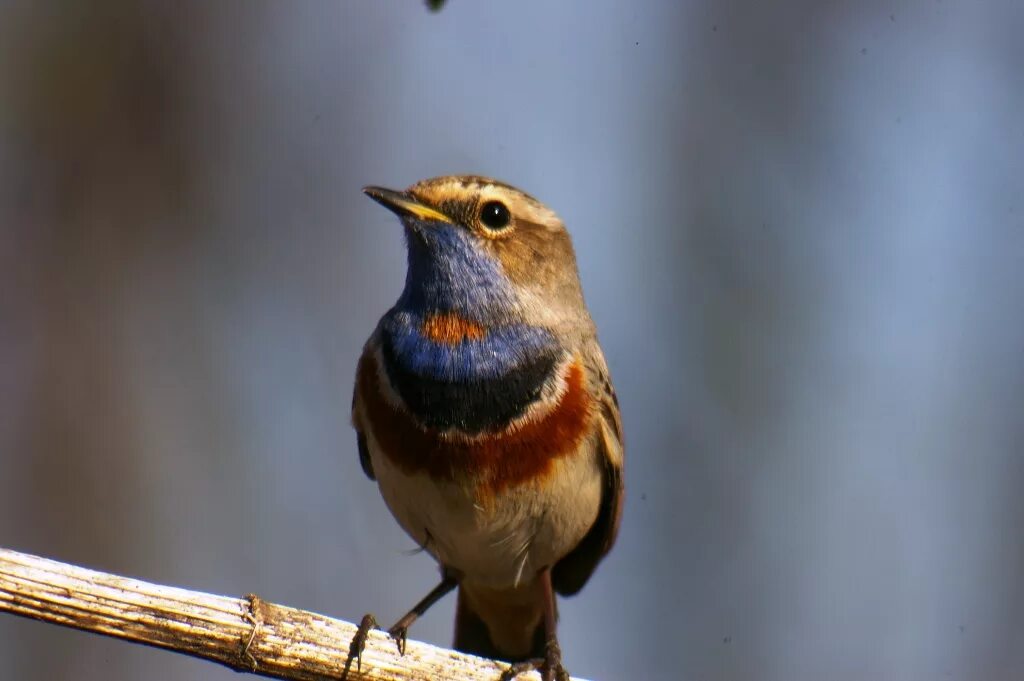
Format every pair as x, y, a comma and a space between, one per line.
505, 625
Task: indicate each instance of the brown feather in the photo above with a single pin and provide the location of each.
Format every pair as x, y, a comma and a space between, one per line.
500, 623
364, 454
571, 573
495, 460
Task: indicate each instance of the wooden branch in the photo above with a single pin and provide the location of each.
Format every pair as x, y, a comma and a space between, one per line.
248, 635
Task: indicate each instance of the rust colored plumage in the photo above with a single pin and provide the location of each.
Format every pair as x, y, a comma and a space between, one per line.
496, 461
451, 329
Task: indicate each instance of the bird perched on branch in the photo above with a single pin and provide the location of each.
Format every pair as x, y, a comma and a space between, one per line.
485, 412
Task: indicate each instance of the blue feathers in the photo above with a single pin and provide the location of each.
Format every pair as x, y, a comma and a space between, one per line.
497, 354
450, 273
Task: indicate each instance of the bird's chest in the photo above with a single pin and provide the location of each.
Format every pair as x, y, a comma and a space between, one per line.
498, 503
453, 373
501, 538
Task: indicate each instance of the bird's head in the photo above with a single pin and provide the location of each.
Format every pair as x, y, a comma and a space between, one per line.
486, 252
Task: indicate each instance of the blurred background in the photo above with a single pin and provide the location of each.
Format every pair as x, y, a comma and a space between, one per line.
799, 228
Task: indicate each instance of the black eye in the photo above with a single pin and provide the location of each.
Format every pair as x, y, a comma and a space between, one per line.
495, 215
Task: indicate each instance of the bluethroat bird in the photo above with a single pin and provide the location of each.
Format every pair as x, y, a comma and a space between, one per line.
484, 410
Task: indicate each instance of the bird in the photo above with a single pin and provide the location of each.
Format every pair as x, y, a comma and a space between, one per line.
484, 410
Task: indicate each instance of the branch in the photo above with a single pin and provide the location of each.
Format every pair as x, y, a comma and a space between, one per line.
248, 635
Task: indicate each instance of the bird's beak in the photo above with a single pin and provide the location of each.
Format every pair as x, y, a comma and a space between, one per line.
404, 205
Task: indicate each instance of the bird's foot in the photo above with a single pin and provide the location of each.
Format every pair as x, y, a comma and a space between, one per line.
549, 666
399, 634
358, 644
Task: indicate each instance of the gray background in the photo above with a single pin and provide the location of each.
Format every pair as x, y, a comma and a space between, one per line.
799, 228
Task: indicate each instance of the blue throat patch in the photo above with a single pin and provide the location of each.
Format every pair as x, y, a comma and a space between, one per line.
449, 274
478, 380
500, 352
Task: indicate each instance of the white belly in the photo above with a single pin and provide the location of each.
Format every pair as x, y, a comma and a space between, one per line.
507, 539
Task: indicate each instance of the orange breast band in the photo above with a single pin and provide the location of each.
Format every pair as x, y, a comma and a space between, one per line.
493, 461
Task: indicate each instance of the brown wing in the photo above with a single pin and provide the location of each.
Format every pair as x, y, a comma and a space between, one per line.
364, 453
572, 572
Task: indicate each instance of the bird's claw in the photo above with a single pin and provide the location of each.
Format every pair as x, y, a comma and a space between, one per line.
549, 666
399, 634
358, 644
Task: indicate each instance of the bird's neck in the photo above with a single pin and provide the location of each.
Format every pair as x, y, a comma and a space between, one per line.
448, 347
448, 273
455, 346
452, 372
